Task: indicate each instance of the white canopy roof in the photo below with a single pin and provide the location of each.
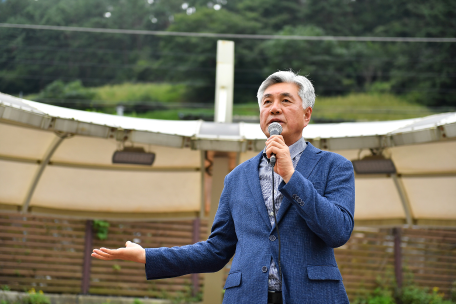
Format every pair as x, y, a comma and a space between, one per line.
58, 161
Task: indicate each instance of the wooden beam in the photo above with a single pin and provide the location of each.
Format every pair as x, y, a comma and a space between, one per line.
85, 284
397, 256
116, 216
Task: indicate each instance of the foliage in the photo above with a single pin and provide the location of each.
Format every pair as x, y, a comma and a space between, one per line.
305, 57
71, 95
30, 60
175, 114
35, 298
453, 291
140, 92
181, 297
5, 288
367, 106
101, 229
135, 97
385, 293
196, 67
138, 97
416, 295
186, 296
379, 296
407, 295
351, 107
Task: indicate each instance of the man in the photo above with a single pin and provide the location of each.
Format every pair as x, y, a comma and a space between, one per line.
314, 199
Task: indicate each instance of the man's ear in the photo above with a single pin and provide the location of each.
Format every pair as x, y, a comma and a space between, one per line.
307, 115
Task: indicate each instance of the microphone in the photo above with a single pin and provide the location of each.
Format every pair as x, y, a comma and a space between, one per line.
274, 129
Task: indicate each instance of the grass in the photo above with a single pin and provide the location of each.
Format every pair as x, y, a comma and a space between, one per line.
352, 107
368, 107
173, 114
131, 92
112, 95
167, 102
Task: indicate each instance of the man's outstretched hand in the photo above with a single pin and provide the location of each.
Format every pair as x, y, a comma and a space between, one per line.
131, 252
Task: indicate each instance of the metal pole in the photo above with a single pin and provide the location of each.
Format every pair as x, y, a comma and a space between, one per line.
397, 256
47, 157
404, 198
196, 238
85, 285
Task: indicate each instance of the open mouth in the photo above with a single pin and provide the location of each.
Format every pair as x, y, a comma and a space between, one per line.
275, 120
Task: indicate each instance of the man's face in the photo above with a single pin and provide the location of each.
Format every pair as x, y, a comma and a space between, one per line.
281, 103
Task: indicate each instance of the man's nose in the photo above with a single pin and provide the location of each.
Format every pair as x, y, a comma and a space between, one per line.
276, 107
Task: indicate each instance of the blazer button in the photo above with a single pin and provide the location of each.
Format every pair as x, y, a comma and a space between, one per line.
272, 238
264, 268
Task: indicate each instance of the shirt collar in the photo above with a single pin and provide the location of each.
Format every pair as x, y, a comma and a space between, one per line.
295, 149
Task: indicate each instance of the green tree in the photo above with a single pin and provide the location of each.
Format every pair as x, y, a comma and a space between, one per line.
425, 72
197, 67
31, 59
314, 59
70, 95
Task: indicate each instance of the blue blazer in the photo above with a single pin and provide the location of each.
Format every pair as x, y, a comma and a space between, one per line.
316, 216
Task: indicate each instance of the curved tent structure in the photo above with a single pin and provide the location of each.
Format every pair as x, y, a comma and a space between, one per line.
59, 161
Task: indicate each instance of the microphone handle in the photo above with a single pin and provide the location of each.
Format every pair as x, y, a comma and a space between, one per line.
272, 160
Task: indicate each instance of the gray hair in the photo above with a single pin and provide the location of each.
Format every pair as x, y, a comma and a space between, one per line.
305, 88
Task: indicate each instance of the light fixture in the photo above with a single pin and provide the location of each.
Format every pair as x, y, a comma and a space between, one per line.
133, 155
376, 164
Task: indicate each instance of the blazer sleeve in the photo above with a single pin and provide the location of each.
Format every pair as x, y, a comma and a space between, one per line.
207, 256
329, 216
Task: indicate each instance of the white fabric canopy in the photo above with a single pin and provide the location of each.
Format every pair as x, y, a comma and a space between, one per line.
58, 161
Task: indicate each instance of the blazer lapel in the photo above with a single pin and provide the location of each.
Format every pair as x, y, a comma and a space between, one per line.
251, 171
308, 160
305, 166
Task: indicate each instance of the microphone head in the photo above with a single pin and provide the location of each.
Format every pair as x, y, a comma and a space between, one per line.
275, 129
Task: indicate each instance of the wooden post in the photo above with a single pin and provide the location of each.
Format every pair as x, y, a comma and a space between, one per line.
196, 238
213, 282
397, 256
87, 258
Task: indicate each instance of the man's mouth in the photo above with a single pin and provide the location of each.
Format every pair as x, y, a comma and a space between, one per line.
275, 120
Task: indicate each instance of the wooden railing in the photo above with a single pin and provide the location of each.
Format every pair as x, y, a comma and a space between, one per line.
47, 253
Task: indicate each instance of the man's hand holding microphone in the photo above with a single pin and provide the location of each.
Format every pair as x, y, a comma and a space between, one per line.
276, 148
